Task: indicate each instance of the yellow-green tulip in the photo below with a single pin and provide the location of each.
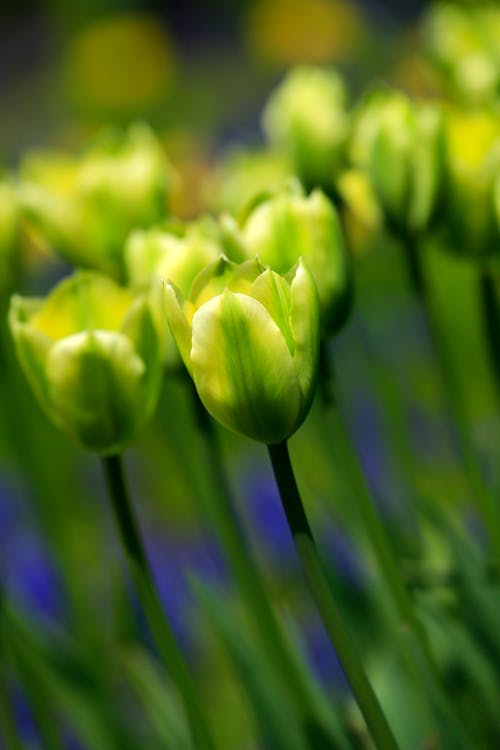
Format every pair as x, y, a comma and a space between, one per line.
175, 253
472, 166
9, 232
85, 207
290, 225
90, 352
306, 118
249, 337
400, 144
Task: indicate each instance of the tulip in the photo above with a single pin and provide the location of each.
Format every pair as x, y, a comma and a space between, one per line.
86, 207
249, 338
291, 225
306, 118
9, 231
472, 166
175, 253
400, 145
91, 355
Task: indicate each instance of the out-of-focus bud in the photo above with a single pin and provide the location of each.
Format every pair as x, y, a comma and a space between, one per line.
363, 216
472, 166
175, 253
400, 144
306, 118
249, 338
85, 207
463, 41
91, 354
9, 233
289, 226
243, 174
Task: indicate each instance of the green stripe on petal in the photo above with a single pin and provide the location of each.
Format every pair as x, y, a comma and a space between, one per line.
273, 291
243, 369
97, 389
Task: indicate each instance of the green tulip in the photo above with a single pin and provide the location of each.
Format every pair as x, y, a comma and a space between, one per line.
306, 118
290, 225
90, 352
249, 338
9, 233
463, 41
175, 253
86, 207
400, 144
472, 166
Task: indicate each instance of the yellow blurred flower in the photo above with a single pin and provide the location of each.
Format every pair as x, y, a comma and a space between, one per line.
293, 31
120, 65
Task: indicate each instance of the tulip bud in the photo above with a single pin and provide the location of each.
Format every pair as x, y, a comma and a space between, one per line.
291, 225
86, 207
463, 41
9, 230
472, 165
244, 174
306, 118
249, 338
163, 253
90, 352
400, 145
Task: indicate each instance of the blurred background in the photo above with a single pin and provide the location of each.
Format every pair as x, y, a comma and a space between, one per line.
200, 73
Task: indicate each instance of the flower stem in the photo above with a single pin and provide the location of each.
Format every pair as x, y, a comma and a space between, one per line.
491, 321
143, 579
252, 586
486, 502
313, 569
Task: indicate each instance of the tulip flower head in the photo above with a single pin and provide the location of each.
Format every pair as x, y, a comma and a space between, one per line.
85, 207
291, 225
178, 254
90, 352
306, 118
249, 338
472, 167
9, 231
400, 145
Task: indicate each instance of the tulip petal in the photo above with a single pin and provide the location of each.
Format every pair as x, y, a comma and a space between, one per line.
97, 389
243, 369
32, 346
273, 291
84, 300
148, 339
178, 322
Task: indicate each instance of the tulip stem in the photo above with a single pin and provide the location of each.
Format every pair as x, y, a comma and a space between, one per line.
486, 502
491, 320
8, 728
143, 579
316, 577
223, 515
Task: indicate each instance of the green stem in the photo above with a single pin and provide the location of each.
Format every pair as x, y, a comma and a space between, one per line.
313, 569
143, 579
250, 583
486, 503
8, 728
491, 320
